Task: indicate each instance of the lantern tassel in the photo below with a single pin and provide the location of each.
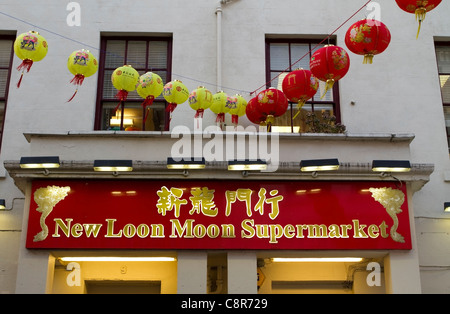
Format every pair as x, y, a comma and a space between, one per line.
170, 108
78, 81
328, 86
235, 119
300, 105
73, 96
368, 58
25, 65
122, 96
420, 16
147, 102
269, 121
220, 117
20, 80
199, 113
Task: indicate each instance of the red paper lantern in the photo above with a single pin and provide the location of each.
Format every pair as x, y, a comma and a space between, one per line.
367, 38
418, 7
252, 112
329, 64
299, 86
272, 103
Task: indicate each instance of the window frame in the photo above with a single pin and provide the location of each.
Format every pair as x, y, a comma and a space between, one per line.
102, 68
312, 43
12, 38
444, 104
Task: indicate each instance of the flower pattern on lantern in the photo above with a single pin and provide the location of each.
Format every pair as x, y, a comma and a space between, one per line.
299, 86
81, 63
199, 100
175, 93
272, 103
149, 86
419, 8
252, 112
29, 47
219, 106
367, 37
329, 64
238, 106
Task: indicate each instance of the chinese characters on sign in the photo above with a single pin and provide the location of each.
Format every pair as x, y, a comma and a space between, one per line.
202, 201
218, 214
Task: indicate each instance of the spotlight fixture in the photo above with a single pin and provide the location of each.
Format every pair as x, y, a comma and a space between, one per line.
2, 204
191, 163
239, 165
40, 162
447, 207
391, 165
113, 165
319, 164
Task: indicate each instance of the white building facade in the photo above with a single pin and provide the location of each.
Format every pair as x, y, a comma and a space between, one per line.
393, 109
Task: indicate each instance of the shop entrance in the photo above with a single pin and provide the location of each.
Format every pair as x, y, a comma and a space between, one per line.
316, 276
120, 276
122, 287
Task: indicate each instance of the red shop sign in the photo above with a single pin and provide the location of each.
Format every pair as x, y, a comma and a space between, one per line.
101, 214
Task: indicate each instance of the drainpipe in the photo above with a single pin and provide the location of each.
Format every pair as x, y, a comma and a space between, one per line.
219, 42
219, 46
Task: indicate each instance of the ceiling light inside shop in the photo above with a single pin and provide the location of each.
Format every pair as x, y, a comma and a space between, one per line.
317, 259
117, 259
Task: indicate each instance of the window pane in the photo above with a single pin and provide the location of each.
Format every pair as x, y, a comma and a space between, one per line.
5, 52
445, 88
157, 55
3, 81
443, 58
300, 51
279, 56
447, 123
320, 92
115, 53
108, 89
133, 116
136, 55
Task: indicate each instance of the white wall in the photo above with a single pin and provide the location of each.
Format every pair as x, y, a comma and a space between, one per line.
398, 93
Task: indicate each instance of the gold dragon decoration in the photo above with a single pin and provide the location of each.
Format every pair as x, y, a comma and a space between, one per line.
392, 200
46, 199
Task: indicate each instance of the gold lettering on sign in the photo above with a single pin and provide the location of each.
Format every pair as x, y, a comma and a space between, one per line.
392, 200
46, 199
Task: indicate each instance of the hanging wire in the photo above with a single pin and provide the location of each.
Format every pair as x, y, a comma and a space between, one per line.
312, 49
186, 77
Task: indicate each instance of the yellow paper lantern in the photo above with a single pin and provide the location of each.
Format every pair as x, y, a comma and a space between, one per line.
199, 100
81, 63
238, 106
149, 86
29, 47
219, 106
124, 79
175, 93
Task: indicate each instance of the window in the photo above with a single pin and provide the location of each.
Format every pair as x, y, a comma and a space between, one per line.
443, 61
6, 59
280, 56
145, 54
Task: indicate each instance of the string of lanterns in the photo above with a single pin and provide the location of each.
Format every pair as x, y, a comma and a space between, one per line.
329, 64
